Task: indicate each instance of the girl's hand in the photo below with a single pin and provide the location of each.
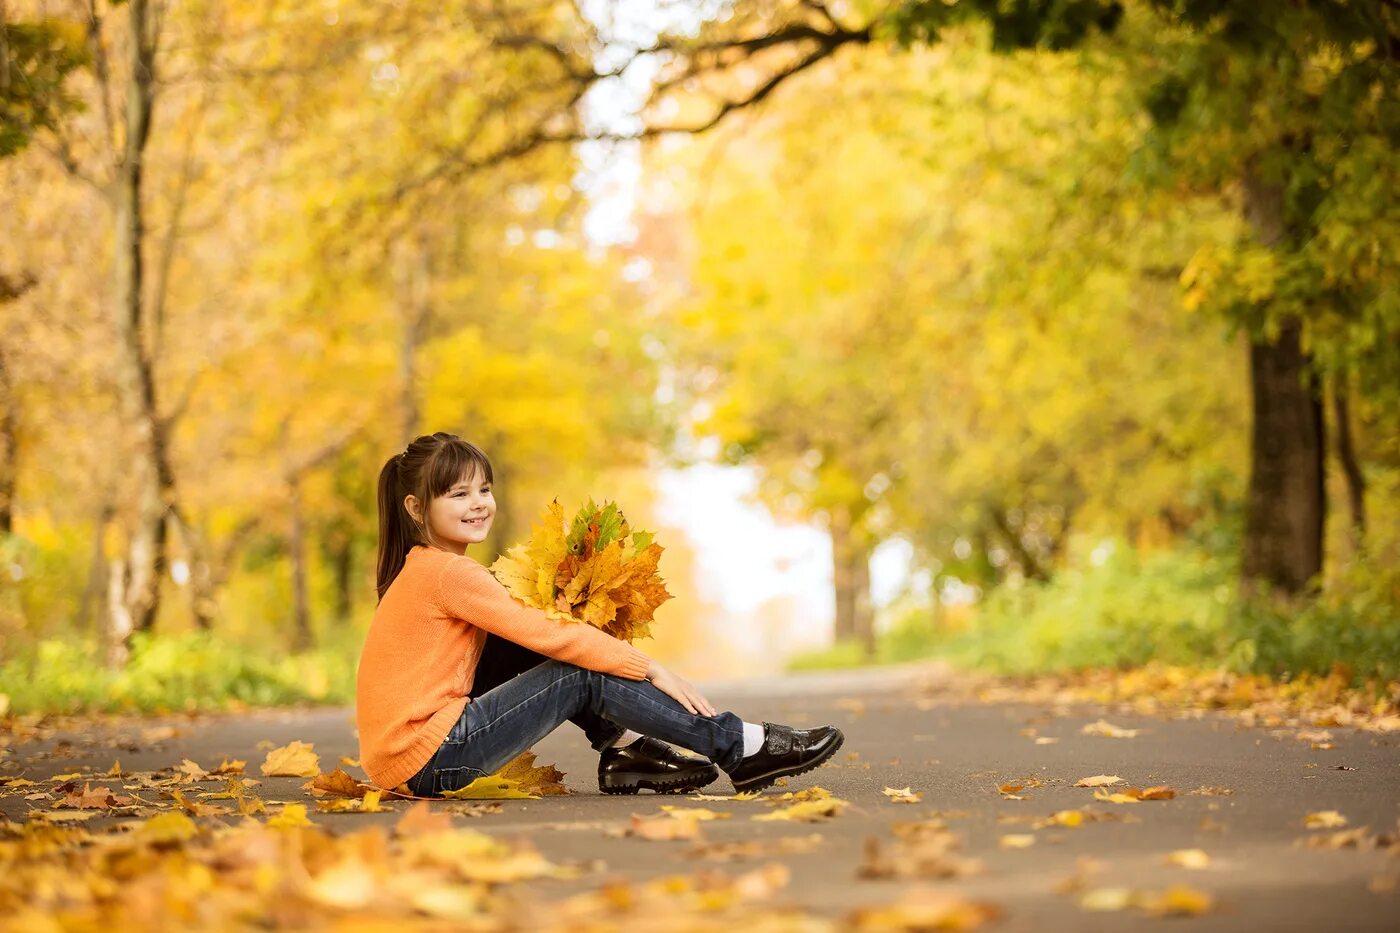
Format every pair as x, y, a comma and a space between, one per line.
679, 689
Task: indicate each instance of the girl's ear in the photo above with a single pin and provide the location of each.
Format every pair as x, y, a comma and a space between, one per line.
410, 502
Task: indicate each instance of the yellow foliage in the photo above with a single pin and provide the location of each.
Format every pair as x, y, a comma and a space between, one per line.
595, 570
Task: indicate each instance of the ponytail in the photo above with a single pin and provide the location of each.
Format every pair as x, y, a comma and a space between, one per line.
397, 530
427, 468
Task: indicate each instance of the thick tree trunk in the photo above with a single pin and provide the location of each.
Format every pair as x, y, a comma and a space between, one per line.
1351, 464
851, 582
134, 589
1286, 507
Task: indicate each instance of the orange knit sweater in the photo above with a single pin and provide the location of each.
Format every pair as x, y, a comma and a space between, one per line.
423, 646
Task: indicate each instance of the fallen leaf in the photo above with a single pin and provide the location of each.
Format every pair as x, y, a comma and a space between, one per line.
292, 815
1099, 780
1357, 838
663, 828
1179, 901
807, 811
1107, 899
932, 854
420, 819
90, 798
1070, 819
1017, 841
195, 808
1189, 858
903, 795
756, 848
741, 795
336, 783
191, 772
167, 828
1135, 794
1046, 740
542, 780
923, 909
369, 803
1108, 730
1324, 819
295, 759
490, 788
700, 814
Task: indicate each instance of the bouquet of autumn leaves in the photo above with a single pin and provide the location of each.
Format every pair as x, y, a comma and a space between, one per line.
595, 569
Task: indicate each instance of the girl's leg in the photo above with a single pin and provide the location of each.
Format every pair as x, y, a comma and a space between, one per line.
501, 723
502, 659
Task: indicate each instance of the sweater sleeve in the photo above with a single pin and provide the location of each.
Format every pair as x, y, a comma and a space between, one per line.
467, 591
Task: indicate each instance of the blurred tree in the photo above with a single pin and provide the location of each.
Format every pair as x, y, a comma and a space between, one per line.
966, 333
1290, 113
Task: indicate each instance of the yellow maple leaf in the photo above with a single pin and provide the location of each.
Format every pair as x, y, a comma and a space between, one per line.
336, 783
568, 575
295, 759
540, 780
293, 814
807, 811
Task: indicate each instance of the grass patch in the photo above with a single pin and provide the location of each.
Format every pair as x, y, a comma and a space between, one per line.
196, 671
1171, 607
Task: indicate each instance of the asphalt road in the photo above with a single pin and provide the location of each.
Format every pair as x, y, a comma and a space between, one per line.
904, 727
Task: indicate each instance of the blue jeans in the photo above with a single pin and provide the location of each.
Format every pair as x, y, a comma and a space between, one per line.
506, 720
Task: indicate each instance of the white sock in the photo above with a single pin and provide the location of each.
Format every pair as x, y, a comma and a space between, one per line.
627, 738
753, 738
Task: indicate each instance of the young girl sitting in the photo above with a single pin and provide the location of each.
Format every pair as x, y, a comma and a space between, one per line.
420, 721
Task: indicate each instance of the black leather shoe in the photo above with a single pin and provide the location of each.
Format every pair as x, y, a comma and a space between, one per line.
652, 764
786, 751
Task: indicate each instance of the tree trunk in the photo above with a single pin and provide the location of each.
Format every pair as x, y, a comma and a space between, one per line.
1351, 465
412, 279
201, 582
851, 582
1286, 507
296, 544
342, 559
136, 578
9, 447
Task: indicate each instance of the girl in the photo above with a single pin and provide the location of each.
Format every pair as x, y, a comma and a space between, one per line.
421, 723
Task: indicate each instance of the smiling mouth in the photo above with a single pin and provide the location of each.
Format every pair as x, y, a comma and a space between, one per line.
474, 521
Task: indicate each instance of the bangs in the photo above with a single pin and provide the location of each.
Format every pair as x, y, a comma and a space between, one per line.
453, 462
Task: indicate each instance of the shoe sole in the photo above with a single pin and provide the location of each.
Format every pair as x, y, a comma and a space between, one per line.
764, 781
631, 783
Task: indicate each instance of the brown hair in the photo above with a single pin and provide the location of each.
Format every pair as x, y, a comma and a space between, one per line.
428, 467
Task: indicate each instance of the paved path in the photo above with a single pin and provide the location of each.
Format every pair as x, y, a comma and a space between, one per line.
904, 729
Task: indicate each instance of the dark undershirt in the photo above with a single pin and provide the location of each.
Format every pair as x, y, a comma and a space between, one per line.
501, 659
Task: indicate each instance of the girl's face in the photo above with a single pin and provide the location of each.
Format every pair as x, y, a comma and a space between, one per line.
460, 516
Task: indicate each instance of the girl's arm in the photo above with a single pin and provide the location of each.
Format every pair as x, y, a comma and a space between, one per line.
467, 591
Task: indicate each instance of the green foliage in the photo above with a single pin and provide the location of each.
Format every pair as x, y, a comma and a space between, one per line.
35, 61
1049, 24
179, 672
1173, 607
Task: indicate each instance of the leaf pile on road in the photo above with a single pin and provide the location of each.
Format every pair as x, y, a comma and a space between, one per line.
1253, 699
